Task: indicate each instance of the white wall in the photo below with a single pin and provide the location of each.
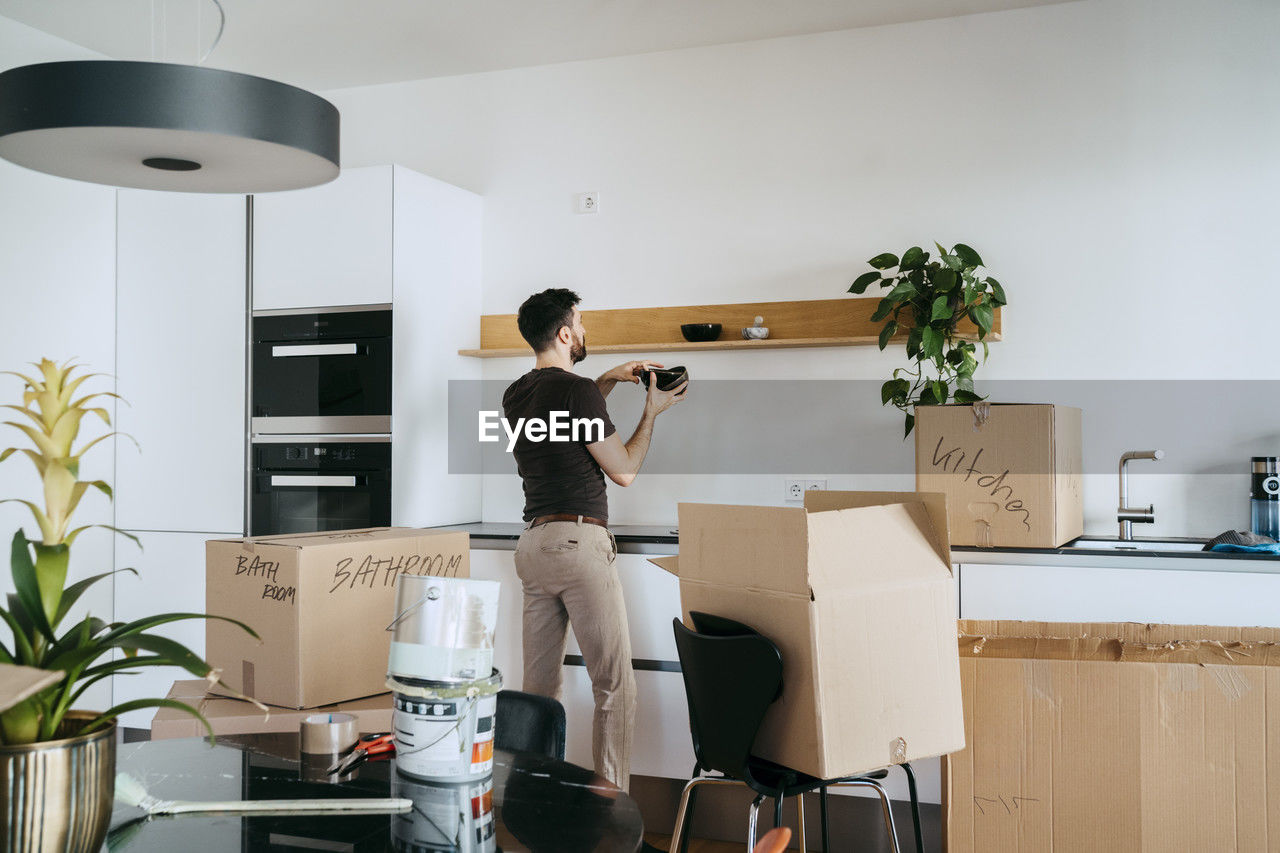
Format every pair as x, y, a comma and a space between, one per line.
1113, 160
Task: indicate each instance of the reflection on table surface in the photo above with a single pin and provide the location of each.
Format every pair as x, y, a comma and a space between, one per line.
530, 803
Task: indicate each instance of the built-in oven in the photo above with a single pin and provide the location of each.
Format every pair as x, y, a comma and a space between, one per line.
322, 371
307, 484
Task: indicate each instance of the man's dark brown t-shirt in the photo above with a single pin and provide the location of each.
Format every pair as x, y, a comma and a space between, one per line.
559, 476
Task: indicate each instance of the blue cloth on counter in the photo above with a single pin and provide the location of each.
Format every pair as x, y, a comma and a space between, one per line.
1272, 548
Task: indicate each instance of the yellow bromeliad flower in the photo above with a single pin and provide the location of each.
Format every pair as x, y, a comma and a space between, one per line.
54, 424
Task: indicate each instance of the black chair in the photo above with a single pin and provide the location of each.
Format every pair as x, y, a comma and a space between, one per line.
526, 722
732, 674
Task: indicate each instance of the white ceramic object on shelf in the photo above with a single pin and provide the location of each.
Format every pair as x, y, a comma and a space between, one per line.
757, 332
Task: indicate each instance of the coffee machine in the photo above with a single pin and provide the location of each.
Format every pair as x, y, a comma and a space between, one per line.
1265, 497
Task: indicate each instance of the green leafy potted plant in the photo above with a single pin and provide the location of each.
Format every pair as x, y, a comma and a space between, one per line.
57, 765
929, 299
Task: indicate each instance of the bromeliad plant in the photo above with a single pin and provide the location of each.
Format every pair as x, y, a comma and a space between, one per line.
929, 299
41, 601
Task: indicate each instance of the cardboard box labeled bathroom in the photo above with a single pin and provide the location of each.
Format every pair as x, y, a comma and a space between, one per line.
856, 590
1012, 472
1115, 738
321, 603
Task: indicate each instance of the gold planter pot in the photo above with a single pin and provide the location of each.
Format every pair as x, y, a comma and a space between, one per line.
58, 794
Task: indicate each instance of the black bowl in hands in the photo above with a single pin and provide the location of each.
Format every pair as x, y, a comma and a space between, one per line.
700, 332
668, 378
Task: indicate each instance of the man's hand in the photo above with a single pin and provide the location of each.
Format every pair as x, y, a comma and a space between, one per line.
658, 402
629, 372
621, 462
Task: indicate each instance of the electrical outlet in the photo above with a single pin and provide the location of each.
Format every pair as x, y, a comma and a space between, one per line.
587, 202
812, 485
795, 490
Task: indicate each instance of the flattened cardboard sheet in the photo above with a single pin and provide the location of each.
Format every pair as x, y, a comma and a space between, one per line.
236, 717
1115, 737
21, 682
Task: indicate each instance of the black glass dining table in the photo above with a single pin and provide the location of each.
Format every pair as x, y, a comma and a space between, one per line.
530, 803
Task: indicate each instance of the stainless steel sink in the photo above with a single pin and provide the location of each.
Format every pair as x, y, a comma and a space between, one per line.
1111, 544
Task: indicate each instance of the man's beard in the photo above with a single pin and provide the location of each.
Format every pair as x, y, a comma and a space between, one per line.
578, 351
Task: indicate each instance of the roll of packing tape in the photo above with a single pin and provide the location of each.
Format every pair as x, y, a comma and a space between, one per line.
329, 734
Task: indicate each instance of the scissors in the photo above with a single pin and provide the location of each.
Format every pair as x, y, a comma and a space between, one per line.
369, 745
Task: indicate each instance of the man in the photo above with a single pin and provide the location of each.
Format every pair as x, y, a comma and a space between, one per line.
565, 556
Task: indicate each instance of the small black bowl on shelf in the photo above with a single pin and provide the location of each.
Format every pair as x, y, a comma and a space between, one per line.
696, 333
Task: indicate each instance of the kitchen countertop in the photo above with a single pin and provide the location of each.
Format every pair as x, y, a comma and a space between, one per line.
1137, 551
663, 539
631, 538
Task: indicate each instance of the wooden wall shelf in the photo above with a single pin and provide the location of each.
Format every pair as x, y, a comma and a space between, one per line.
814, 323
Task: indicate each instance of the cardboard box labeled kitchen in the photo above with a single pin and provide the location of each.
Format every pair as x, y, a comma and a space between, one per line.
855, 588
237, 717
1012, 472
1115, 738
321, 603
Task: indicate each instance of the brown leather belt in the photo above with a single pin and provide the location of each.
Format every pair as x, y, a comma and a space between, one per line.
567, 516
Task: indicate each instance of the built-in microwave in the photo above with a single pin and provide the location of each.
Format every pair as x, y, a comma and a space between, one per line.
322, 371
307, 484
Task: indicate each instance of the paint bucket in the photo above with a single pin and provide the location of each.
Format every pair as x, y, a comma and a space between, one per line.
452, 818
444, 730
443, 630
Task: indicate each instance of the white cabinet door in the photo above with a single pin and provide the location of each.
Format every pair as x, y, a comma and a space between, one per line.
653, 600
326, 245
494, 565
437, 310
1095, 594
57, 265
661, 744
170, 579
180, 361
92, 554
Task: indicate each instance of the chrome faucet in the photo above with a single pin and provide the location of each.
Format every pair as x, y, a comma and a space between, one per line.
1126, 514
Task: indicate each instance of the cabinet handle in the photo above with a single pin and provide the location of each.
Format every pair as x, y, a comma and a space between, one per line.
313, 349
312, 480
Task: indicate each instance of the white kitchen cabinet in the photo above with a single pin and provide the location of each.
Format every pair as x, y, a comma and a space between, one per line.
499, 565
661, 745
1069, 593
326, 245
180, 361
389, 235
653, 600
57, 263
170, 579
435, 313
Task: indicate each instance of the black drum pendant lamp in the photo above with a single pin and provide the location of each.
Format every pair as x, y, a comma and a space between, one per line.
164, 126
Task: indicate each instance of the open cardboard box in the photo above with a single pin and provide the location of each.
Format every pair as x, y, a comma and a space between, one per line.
856, 590
321, 603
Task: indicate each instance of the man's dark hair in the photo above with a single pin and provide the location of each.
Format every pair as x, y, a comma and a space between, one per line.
542, 315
